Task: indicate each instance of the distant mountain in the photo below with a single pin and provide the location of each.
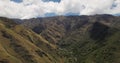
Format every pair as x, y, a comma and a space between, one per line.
51, 0
17, 1
60, 39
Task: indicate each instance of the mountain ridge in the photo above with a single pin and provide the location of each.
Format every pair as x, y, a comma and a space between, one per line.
71, 39
22, 48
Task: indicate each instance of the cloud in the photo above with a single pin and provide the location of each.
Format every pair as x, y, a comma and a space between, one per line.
25, 9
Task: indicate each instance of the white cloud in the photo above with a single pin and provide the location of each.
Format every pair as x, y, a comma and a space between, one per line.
37, 8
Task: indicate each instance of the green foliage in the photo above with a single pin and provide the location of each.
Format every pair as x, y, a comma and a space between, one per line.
73, 39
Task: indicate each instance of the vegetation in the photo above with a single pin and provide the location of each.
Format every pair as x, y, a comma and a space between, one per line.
20, 45
72, 39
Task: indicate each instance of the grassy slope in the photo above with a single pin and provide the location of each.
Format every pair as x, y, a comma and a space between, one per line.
87, 49
27, 48
84, 39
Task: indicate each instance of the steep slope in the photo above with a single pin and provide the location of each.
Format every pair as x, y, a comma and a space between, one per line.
83, 39
54, 28
71, 39
21, 45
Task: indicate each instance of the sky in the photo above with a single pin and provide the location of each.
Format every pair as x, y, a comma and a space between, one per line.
26, 9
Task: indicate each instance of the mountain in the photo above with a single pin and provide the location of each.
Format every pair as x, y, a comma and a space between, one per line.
61, 39
51, 0
22, 45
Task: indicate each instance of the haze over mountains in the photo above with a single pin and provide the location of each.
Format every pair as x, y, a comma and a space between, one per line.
60, 39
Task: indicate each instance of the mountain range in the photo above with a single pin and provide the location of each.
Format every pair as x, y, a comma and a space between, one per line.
60, 39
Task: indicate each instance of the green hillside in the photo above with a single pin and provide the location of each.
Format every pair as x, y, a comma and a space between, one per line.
21, 45
71, 39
